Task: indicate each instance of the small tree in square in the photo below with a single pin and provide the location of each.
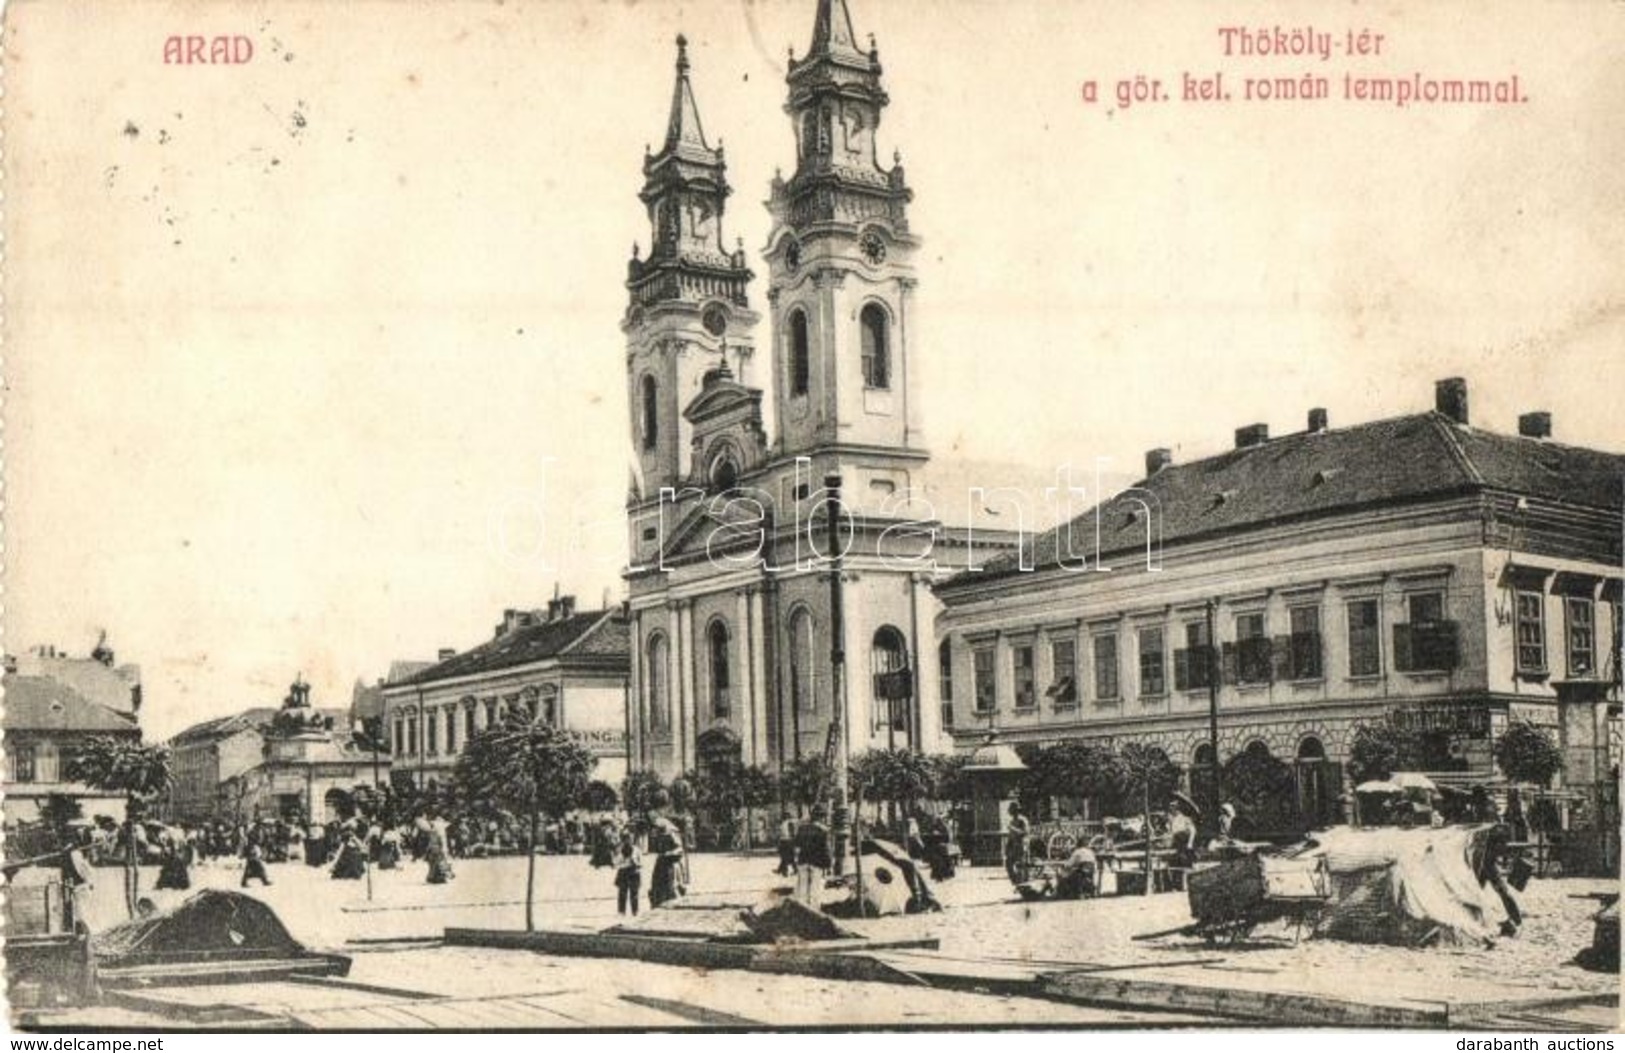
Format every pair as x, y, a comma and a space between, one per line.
534, 769
1528, 754
141, 774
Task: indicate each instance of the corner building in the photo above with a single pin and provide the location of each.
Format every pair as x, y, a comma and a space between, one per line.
1420, 569
730, 607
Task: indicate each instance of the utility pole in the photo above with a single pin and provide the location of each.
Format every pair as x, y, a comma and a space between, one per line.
837, 657
1209, 660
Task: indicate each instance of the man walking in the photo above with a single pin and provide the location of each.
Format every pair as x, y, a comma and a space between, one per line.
787, 845
813, 858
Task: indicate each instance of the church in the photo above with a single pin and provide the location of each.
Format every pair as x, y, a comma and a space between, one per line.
730, 597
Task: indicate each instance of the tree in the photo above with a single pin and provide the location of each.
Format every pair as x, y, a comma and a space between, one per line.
600, 796
808, 780
535, 769
1071, 770
1528, 754
643, 793
896, 777
1379, 750
1263, 787
1146, 774
948, 779
57, 812
140, 773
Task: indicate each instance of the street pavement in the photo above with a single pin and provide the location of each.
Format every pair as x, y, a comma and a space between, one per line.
402, 977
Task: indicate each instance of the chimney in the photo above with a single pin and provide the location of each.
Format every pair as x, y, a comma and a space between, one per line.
1318, 421
1252, 435
1158, 459
446, 653
1536, 425
1450, 399
560, 607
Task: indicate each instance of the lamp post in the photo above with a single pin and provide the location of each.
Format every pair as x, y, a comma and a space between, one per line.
842, 818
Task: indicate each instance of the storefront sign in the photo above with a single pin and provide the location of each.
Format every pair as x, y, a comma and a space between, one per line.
1472, 721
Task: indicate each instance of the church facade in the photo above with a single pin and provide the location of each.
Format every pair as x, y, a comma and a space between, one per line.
731, 603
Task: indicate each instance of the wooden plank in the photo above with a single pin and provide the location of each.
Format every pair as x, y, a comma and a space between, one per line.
1280, 1008
698, 1014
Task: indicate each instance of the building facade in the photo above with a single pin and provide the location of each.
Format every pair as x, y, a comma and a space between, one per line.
1418, 570
561, 666
206, 760
45, 721
730, 602
308, 765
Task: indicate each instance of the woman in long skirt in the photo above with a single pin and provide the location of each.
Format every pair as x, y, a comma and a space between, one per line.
176, 869
438, 855
668, 852
352, 861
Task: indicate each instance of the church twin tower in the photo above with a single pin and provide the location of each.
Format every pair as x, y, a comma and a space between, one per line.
731, 649
840, 275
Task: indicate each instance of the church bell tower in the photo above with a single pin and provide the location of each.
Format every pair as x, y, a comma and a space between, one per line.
840, 260
687, 311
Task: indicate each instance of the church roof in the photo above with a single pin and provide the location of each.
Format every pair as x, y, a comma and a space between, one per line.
1316, 474
39, 703
590, 637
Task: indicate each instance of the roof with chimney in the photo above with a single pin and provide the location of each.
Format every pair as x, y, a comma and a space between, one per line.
1321, 473
255, 718
39, 703
590, 639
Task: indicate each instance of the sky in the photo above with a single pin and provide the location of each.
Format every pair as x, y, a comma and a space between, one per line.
314, 362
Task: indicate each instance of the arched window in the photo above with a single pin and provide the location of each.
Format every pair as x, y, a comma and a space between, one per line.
803, 666
717, 637
945, 681
893, 683
1204, 778
654, 675
876, 351
1319, 783
651, 412
800, 353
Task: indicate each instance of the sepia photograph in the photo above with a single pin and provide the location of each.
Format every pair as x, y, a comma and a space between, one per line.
812, 515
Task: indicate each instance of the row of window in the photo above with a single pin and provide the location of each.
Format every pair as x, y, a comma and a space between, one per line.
1426, 643
460, 720
1579, 633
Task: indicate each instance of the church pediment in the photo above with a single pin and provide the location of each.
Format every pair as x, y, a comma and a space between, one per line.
723, 398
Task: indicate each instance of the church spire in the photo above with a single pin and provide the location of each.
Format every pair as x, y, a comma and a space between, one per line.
832, 32
683, 127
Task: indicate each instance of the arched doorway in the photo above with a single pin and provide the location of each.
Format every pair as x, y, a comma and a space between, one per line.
1320, 781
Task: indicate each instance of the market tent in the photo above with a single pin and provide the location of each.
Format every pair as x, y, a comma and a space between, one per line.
1408, 887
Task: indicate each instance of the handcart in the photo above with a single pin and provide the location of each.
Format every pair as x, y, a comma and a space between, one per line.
1233, 897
